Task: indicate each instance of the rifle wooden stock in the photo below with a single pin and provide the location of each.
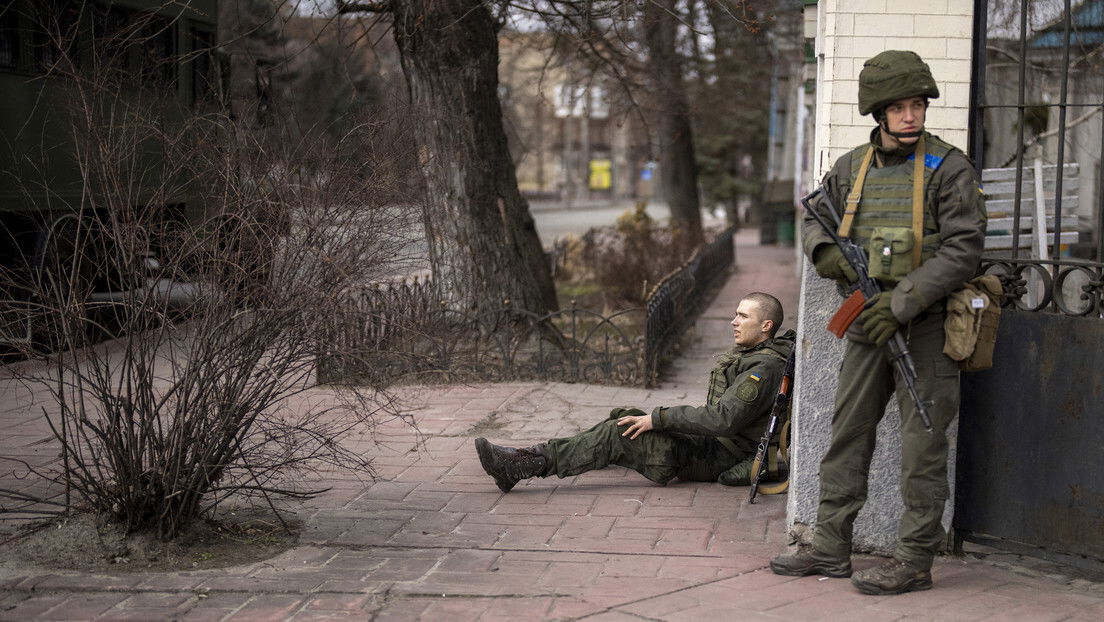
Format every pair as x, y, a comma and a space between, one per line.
848, 311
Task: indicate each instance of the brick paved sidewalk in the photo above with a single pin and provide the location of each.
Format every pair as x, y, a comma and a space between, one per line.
435, 540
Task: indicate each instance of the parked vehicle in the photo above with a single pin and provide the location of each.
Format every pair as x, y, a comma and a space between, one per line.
49, 51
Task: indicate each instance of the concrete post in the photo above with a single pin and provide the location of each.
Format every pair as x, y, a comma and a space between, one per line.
848, 33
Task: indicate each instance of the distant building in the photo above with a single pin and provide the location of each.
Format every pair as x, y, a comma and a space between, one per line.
571, 136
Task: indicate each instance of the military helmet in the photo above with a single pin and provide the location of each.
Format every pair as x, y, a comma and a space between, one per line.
894, 75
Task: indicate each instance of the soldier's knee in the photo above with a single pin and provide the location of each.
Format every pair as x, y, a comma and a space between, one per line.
660, 474
617, 413
854, 488
921, 495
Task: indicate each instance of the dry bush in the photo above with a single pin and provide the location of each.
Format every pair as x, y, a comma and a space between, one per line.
624, 261
213, 257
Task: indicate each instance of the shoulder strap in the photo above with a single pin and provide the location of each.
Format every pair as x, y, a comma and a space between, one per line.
918, 203
855, 195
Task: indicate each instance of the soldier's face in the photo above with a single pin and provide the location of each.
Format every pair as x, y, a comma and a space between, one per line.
905, 115
747, 328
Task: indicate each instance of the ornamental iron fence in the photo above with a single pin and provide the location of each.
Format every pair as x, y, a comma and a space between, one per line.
676, 301
405, 331
1029, 471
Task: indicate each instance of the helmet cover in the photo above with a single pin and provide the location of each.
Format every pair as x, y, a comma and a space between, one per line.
891, 76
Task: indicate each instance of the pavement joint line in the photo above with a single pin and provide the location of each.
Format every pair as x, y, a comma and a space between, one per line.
205, 592
611, 608
368, 547
447, 595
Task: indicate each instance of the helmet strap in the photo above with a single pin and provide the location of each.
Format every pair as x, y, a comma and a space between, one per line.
884, 125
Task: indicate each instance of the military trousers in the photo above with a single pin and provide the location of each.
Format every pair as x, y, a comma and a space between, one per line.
658, 456
867, 381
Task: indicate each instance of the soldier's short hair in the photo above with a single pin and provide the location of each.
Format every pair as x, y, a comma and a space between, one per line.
769, 309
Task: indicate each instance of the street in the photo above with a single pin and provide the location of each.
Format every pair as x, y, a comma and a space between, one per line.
553, 221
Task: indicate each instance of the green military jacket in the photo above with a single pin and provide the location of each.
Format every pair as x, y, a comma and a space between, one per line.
742, 388
953, 198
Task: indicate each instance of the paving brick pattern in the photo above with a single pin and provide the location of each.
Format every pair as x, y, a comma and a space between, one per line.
433, 539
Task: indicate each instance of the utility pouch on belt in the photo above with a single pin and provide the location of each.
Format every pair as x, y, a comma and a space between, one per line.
973, 315
891, 252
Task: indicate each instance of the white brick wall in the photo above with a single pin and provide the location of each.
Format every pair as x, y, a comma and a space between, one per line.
851, 31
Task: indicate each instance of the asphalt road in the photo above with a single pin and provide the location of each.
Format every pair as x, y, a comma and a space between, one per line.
556, 222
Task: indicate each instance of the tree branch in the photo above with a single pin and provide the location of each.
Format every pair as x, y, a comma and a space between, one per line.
382, 6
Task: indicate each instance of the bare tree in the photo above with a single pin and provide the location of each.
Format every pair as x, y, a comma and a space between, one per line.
733, 90
677, 159
483, 244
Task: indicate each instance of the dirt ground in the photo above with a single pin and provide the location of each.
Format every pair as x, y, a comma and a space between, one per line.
89, 542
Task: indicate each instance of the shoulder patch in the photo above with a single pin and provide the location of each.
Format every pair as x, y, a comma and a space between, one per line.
930, 160
748, 390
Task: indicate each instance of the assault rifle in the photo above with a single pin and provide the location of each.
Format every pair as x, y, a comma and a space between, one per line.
868, 288
777, 414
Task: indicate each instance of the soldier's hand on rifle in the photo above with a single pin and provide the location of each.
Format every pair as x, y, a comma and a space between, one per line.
830, 264
637, 425
878, 320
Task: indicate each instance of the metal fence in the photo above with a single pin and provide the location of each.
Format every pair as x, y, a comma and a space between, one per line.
404, 331
675, 303
1029, 469
1037, 97
1067, 287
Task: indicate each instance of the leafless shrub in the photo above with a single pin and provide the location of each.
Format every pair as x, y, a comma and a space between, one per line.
626, 260
211, 258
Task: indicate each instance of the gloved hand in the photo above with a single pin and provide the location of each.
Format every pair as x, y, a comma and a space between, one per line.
878, 320
830, 264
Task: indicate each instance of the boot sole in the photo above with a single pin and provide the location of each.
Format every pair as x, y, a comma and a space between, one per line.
486, 459
874, 590
834, 573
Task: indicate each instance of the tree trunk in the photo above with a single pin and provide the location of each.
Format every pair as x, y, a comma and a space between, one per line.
483, 244
677, 165
742, 70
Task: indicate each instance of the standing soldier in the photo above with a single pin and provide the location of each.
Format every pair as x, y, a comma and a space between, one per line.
913, 202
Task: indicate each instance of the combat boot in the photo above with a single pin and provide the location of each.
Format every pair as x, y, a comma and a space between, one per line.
807, 561
892, 577
740, 474
508, 466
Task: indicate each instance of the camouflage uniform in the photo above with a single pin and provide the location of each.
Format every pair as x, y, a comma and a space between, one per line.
684, 440
954, 223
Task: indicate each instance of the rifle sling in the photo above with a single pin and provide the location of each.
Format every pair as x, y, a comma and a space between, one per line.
772, 463
727, 442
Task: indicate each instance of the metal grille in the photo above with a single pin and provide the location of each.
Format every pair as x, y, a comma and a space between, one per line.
1029, 469
1038, 101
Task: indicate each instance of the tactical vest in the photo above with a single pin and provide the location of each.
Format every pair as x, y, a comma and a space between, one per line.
718, 377
883, 224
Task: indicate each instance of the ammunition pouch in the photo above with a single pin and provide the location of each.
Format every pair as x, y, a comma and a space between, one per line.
973, 316
891, 252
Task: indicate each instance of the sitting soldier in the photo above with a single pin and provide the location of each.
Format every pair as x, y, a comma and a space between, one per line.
714, 442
